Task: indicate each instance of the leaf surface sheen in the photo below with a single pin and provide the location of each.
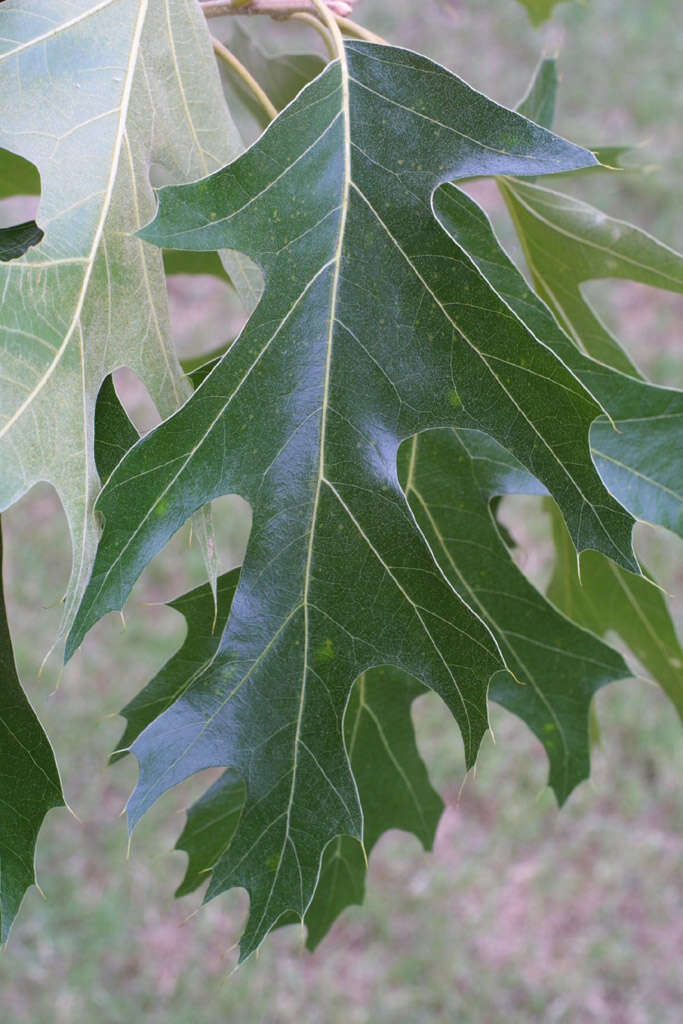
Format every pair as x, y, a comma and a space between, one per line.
372, 326
636, 446
392, 780
450, 478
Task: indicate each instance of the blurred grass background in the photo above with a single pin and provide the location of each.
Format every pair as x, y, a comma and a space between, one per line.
522, 913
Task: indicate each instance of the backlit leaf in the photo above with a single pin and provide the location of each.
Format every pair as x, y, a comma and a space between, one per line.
539, 10
91, 297
566, 242
606, 598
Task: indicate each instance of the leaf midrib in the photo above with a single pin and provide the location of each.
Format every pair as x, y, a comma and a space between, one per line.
485, 361
582, 240
108, 193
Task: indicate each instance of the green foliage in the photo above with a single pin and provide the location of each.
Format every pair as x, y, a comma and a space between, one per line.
539, 10
16, 240
29, 782
397, 376
606, 598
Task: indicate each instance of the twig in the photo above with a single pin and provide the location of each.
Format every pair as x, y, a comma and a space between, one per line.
274, 8
315, 23
247, 78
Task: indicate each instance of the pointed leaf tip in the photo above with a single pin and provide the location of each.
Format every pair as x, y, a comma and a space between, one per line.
374, 325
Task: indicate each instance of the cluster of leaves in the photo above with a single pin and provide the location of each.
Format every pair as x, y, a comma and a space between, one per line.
397, 376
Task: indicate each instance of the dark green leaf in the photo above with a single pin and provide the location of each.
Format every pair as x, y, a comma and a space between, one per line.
450, 478
210, 826
114, 433
394, 791
392, 780
539, 102
393, 786
633, 451
607, 598
16, 240
29, 781
206, 620
373, 326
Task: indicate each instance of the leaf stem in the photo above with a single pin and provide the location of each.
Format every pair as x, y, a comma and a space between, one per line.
314, 21
330, 21
247, 78
352, 28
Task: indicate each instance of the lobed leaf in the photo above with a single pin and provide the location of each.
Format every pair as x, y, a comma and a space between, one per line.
567, 242
206, 619
393, 786
605, 598
450, 478
133, 94
631, 446
210, 826
373, 325
392, 780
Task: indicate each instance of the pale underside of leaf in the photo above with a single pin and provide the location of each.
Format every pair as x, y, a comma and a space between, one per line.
133, 90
